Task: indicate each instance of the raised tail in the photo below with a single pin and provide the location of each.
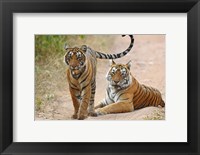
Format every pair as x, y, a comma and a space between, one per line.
116, 56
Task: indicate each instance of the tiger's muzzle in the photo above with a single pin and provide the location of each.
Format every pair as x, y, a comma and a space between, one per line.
74, 67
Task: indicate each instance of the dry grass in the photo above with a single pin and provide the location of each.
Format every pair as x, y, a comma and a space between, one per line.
50, 70
158, 114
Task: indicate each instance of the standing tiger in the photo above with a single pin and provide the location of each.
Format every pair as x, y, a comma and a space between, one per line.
124, 93
81, 75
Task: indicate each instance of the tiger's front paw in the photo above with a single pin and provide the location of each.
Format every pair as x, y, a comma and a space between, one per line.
99, 112
98, 106
74, 116
81, 117
92, 113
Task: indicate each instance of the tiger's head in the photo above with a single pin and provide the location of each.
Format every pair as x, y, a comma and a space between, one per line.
119, 75
75, 58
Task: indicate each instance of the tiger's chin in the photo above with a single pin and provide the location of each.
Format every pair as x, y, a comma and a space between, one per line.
76, 73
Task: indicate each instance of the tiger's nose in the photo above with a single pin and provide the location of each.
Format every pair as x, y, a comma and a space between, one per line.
74, 67
116, 81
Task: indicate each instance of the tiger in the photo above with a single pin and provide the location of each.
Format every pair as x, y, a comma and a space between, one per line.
125, 94
81, 76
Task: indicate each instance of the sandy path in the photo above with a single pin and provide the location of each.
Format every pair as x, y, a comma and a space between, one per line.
148, 67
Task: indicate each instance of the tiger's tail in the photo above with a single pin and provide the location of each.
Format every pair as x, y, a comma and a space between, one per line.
116, 56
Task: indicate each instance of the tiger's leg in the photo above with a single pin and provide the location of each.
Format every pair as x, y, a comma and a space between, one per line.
85, 95
105, 101
119, 107
91, 105
74, 95
100, 105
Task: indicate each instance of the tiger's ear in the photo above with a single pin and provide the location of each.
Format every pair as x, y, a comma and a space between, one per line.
128, 65
65, 46
65, 59
112, 62
84, 48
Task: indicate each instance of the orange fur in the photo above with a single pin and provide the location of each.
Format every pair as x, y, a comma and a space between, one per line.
81, 75
127, 95
81, 88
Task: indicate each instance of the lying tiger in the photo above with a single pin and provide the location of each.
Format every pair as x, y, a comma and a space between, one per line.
125, 94
81, 75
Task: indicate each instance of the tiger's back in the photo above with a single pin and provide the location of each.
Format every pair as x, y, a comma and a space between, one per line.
144, 96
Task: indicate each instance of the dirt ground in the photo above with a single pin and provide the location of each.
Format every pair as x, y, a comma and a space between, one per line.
148, 67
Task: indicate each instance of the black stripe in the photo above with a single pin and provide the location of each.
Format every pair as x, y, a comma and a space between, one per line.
129, 48
84, 79
138, 97
118, 55
125, 52
115, 56
120, 95
100, 56
110, 56
104, 55
85, 86
152, 98
139, 89
75, 88
145, 101
106, 101
124, 99
71, 84
154, 101
148, 94
109, 95
85, 75
93, 84
93, 90
93, 87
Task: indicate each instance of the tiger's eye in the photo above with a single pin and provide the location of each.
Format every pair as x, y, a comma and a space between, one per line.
113, 70
79, 55
123, 71
69, 54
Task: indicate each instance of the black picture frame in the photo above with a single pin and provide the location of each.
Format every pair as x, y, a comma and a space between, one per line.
8, 7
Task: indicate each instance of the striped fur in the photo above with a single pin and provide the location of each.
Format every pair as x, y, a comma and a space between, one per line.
81, 75
100, 55
124, 93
